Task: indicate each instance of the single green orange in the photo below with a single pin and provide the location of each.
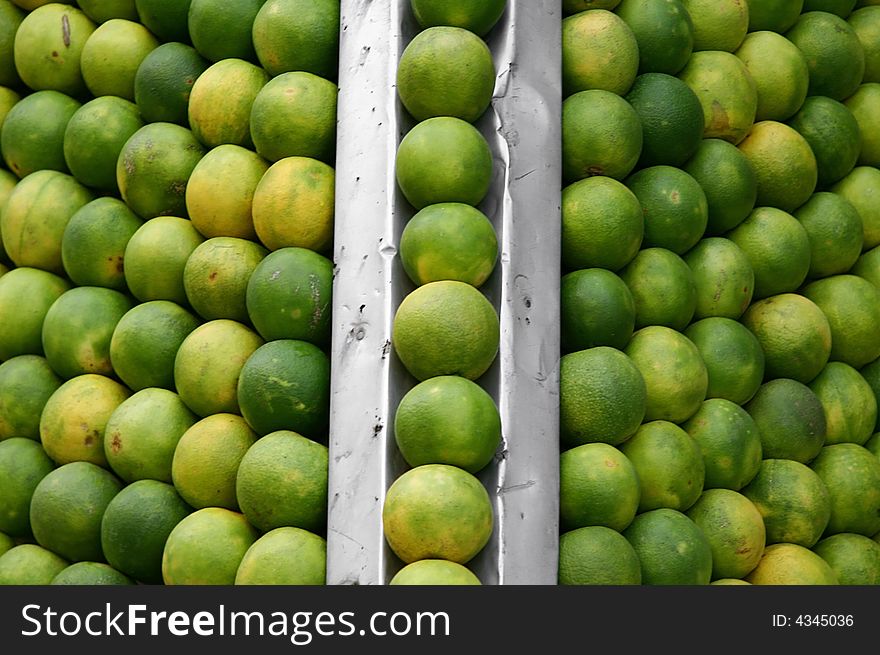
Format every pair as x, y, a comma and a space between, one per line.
288, 296
112, 54
778, 248
864, 104
735, 530
89, 574
867, 266
285, 385
23, 464
598, 485
446, 328
602, 397
865, 22
32, 133
835, 56
478, 16
26, 383
153, 168
663, 289
862, 188
30, 564
852, 306
794, 333
67, 507
446, 71
448, 419
75, 415
790, 420
774, 15
221, 100
675, 375
718, 25
206, 547
206, 460
599, 51
854, 558
730, 442
155, 257
597, 555
164, 80
597, 309
222, 30
791, 564
733, 356
672, 549
833, 135
852, 475
728, 180
102, 11
295, 186
437, 511
94, 242
282, 482
434, 572
793, 500
849, 402
601, 135
449, 241
723, 277
298, 35
27, 293
674, 204
780, 72
602, 224
208, 364
135, 526
284, 556
664, 31
165, 18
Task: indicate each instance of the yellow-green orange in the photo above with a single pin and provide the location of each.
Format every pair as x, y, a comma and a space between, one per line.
220, 102
662, 287
664, 32
862, 188
778, 248
865, 106
208, 363
437, 511
790, 420
602, 397
602, 224
727, 93
449, 241
730, 443
295, 186
26, 382
675, 376
723, 277
27, 293
597, 309
779, 71
294, 115
298, 35
284, 556
94, 241
599, 51
598, 485
155, 257
793, 500
206, 460
833, 135
671, 548
854, 558
78, 328
734, 528
849, 402
596, 555
674, 205
67, 507
866, 24
222, 30
794, 334
446, 328
282, 481
434, 572
834, 54
90, 573
135, 526
206, 547
23, 463
111, 57
601, 135
728, 180
164, 80
718, 25
153, 168
791, 564
852, 306
852, 475
75, 415
446, 71
479, 16
32, 133
285, 385
733, 356
29, 564
447, 419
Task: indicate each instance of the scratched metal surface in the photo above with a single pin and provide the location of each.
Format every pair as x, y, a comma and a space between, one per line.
367, 382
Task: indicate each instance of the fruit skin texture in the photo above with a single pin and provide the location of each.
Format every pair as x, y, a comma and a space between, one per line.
791, 564
26, 383
852, 475
596, 555
29, 292
30, 564
664, 31
284, 556
23, 464
434, 572
478, 16
733, 357
672, 549
298, 35
599, 51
